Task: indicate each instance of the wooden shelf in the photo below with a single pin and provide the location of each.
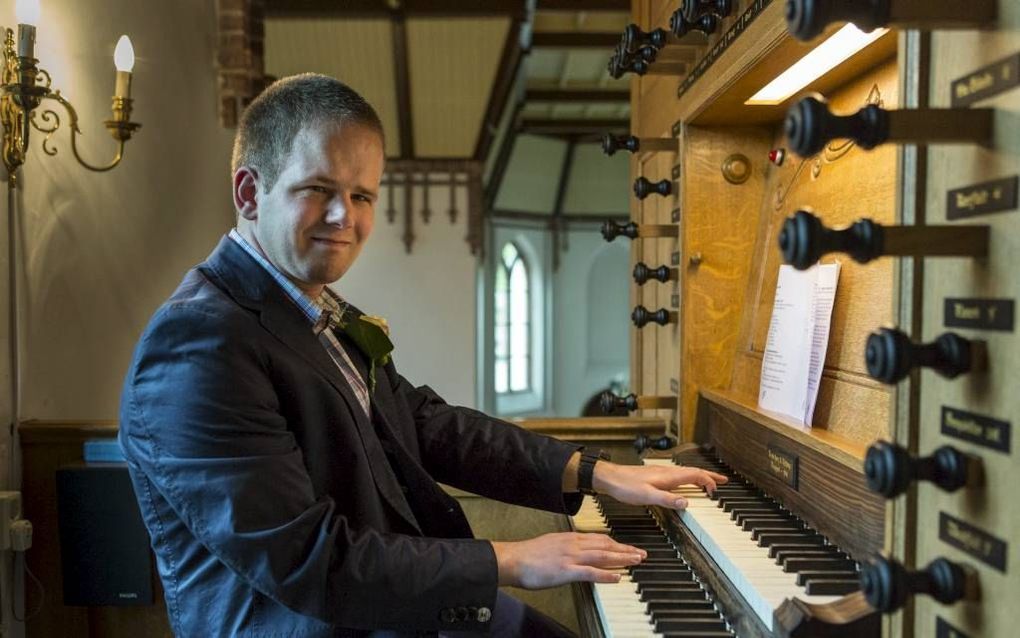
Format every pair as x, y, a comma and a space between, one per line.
844, 451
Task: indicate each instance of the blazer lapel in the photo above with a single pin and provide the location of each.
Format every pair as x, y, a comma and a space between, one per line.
253, 287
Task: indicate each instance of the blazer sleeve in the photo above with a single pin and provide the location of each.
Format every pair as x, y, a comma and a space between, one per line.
200, 418
472, 451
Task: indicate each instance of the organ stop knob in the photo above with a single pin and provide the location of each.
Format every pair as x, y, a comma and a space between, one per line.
809, 126
612, 143
643, 316
804, 240
890, 469
609, 402
681, 26
694, 9
642, 273
806, 19
611, 230
887, 584
643, 187
890, 355
634, 38
643, 442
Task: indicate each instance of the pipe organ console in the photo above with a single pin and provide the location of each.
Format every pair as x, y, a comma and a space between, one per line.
901, 482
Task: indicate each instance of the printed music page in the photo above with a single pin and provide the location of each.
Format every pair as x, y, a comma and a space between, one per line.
798, 338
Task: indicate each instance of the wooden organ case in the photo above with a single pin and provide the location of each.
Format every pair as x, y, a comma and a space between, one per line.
901, 163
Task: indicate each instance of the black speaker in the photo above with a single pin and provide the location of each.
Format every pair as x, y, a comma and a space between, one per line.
104, 546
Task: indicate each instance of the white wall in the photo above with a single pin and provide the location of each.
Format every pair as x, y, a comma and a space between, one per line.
428, 297
592, 328
101, 250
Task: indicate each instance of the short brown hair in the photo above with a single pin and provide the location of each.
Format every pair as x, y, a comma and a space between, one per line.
269, 125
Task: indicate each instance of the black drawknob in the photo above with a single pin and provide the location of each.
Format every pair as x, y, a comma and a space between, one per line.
890, 469
611, 230
806, 19
887, 584
612, 143
643, 188
890, 355
643, 316
681, 26
643, 442
694, 9
646, 53
809, 126
634, 38
804, 240
609, 402
642, 273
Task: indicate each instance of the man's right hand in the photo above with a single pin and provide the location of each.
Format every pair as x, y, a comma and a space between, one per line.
555, 559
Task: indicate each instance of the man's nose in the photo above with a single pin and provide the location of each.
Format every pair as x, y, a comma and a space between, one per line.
338, 213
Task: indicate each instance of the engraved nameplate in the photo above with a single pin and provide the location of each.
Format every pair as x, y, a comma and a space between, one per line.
676, 216
945, 630
986, 82
674, 259
967, 538
724, 42
674, 386
982, 314
982, 430
676, 172
783, 465
675, 301
995, 196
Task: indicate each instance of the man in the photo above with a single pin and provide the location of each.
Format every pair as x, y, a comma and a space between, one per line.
286, 472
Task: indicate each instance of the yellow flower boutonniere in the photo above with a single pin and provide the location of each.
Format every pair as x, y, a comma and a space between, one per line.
372, 336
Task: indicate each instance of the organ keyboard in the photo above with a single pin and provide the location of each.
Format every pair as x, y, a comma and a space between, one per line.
763, 551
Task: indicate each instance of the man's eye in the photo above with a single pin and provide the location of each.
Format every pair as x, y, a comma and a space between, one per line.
319, 189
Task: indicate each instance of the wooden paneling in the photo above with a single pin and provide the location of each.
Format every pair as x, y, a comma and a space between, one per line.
45, 447
993, 507
720, 222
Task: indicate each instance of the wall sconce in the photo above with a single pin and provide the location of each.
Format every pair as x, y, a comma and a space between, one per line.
25, 86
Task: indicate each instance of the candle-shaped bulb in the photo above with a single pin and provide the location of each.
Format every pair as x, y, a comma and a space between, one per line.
27, 12
124, 54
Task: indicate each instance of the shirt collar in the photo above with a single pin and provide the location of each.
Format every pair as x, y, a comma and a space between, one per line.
322, 312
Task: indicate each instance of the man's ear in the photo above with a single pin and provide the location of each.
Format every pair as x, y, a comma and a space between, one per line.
246, 189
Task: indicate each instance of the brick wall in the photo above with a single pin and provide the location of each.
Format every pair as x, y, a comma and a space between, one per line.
240, 55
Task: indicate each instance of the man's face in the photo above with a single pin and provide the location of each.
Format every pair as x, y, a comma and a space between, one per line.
313, 222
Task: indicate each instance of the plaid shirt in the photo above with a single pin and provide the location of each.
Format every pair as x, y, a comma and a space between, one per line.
324, 312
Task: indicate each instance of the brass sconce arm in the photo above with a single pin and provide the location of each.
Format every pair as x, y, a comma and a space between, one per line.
24, 88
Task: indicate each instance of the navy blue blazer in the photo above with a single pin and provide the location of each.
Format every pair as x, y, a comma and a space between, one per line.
275, 506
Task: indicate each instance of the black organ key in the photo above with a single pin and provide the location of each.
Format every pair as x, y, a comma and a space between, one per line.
804, 577
832, 587
803, 563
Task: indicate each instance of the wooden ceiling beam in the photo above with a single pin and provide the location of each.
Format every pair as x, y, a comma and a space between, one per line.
574, 40
509, 66
584, 5
576, 95
382, 9
402, 82
546, 126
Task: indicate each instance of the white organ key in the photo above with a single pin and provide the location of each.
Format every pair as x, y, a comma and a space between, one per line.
619, 606
759, 578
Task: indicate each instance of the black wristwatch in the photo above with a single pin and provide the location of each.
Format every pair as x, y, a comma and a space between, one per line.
586, 470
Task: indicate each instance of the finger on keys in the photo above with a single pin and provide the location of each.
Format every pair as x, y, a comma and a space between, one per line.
608, 559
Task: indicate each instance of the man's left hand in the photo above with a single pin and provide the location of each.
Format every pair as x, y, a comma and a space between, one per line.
650, 484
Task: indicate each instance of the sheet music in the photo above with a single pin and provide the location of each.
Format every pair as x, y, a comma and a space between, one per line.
798, 340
